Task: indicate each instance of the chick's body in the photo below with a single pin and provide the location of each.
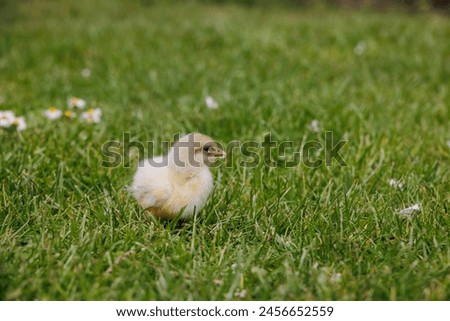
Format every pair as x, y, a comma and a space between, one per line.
179, 182
165, 194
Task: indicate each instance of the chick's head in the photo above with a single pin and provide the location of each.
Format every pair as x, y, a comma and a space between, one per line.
195, 151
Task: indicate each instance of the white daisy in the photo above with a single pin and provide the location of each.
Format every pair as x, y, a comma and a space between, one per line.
314, 126
76, 102
211, 103
407, 212
92, 115
360, 48
20, 123
69, 114
394, 183
6, 118
53, 113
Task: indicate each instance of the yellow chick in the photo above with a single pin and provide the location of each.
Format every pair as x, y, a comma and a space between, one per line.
179, 182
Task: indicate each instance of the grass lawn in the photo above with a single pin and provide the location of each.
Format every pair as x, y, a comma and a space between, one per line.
69, 230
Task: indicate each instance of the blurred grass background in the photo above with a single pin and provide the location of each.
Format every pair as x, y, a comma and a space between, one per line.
377, 76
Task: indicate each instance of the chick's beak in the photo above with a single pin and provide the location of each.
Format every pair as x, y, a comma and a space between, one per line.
218, 153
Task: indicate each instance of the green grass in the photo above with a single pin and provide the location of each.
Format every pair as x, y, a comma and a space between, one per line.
70, 231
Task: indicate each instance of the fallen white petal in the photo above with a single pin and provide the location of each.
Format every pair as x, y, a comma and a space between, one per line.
394, 183
360, 48
86, 73
410, 210
314, 126
241, 294
211, 103
336, 277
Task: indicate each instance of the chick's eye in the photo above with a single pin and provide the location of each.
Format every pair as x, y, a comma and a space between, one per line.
205, 148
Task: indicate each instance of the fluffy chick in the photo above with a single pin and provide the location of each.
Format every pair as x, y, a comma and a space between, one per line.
179, 182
